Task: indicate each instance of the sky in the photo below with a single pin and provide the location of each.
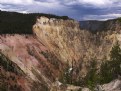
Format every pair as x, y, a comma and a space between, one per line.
76, 9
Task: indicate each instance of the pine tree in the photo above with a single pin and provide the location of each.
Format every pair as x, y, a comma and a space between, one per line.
110, 69
115, 61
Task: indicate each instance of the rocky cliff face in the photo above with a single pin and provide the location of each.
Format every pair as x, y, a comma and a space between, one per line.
65, 39
40, 58
32, 69
60, 36
69, 43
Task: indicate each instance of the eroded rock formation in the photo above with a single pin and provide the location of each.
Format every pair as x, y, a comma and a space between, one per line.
68, 42
39, 71
41, 57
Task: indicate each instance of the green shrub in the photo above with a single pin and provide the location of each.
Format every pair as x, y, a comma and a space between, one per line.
119, 19
66, 76
92, 76
3, 88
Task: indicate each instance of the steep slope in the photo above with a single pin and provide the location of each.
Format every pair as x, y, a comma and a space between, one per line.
28, 55
93, 25
74, 46
40, 59
68, 42
59, 36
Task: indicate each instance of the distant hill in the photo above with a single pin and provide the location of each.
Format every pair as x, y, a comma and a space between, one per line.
13, 22
94, 25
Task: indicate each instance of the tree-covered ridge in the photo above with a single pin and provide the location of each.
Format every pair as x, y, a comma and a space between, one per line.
13, 22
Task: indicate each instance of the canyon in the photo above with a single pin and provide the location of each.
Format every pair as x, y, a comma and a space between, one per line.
37, 60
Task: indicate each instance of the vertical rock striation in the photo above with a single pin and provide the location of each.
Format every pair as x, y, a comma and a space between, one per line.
41, 57
65, 39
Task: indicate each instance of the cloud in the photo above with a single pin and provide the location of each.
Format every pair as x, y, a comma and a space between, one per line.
90, 2
22, 2
47, 6
96, 2
77, 9
101, 17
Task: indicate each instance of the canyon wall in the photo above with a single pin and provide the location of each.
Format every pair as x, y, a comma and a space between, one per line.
39, 59
33, 67
68, 42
